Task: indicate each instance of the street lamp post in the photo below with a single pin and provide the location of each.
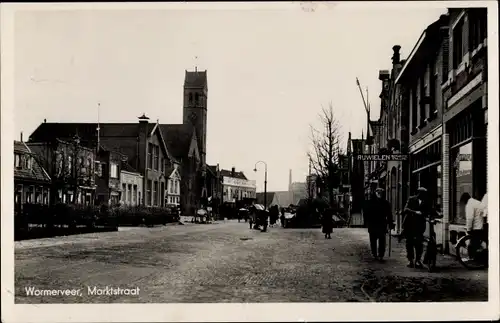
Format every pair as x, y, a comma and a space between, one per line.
265, 181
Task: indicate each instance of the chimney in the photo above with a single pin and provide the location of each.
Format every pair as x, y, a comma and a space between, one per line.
21, 136
290, 180
44, 120
396, 56
233, 171
143, 119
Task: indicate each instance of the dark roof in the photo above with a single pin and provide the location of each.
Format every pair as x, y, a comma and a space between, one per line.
20, 147
228, 173
260, 198
197, 79
87, 131
36, 173
177, 138
126, 167
212, 170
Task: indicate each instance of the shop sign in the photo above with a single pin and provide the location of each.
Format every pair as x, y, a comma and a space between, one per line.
238, 182
382, 157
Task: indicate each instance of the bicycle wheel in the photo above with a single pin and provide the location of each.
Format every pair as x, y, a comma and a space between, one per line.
462, 253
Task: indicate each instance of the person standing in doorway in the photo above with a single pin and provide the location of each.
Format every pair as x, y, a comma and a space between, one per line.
379, 220
414, 224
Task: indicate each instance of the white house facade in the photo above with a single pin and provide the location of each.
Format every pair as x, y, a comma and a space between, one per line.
173, 193
131, 188
237, 189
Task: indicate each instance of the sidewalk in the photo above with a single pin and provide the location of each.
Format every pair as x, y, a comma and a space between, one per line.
392, 280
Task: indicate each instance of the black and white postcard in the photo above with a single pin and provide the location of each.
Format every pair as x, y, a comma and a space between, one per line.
249, 161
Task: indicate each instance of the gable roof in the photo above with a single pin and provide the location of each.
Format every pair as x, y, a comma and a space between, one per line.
127, 168
196, 79
228, 173
260, 198
48, 131
283, 198
177, 138
37, 172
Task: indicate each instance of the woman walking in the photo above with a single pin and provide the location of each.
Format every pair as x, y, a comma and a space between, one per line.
327, 224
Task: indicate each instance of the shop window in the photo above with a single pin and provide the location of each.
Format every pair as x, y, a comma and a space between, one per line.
462, 180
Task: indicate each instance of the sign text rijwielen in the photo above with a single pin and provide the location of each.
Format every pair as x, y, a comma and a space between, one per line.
382, 157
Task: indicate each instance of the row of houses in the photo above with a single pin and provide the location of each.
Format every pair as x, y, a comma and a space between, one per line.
142, 163
434, 109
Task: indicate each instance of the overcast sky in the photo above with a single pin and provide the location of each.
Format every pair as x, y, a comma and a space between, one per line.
269, 72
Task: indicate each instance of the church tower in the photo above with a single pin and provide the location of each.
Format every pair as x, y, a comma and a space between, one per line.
195, 107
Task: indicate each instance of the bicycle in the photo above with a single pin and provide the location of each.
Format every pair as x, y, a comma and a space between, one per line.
430, 246
479, 259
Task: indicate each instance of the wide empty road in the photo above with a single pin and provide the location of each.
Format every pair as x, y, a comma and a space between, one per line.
227, 262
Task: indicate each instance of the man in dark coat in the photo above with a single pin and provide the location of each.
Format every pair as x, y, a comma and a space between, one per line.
414, 224
378, 216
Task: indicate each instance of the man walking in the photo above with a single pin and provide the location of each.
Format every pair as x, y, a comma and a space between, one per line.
474, 221
414, 223
379, 218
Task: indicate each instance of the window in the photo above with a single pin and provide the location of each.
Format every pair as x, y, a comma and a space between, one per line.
170, 186
129, 194
413, 98
477, 27
17, 160
148, 192
27, 162
458, 51
29, 194
422, 103
70, 164
45, 197
462, 179
124, 192
156, 157
38, 195
134, 196
150, 155
155, 193
162, 164
113, 170
196, 98
190, 98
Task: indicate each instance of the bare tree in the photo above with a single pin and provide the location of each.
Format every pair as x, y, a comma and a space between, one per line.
324, 157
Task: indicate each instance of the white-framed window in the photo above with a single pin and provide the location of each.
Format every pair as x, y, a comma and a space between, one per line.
113, 170
27, 162
457, 39
70, 164
17, 160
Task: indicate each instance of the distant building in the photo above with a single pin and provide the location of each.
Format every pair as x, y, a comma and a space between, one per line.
108, 176
131, 181
31, 180
143, 143
235, 186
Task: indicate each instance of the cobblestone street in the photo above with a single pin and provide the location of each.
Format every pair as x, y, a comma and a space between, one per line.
227, 262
